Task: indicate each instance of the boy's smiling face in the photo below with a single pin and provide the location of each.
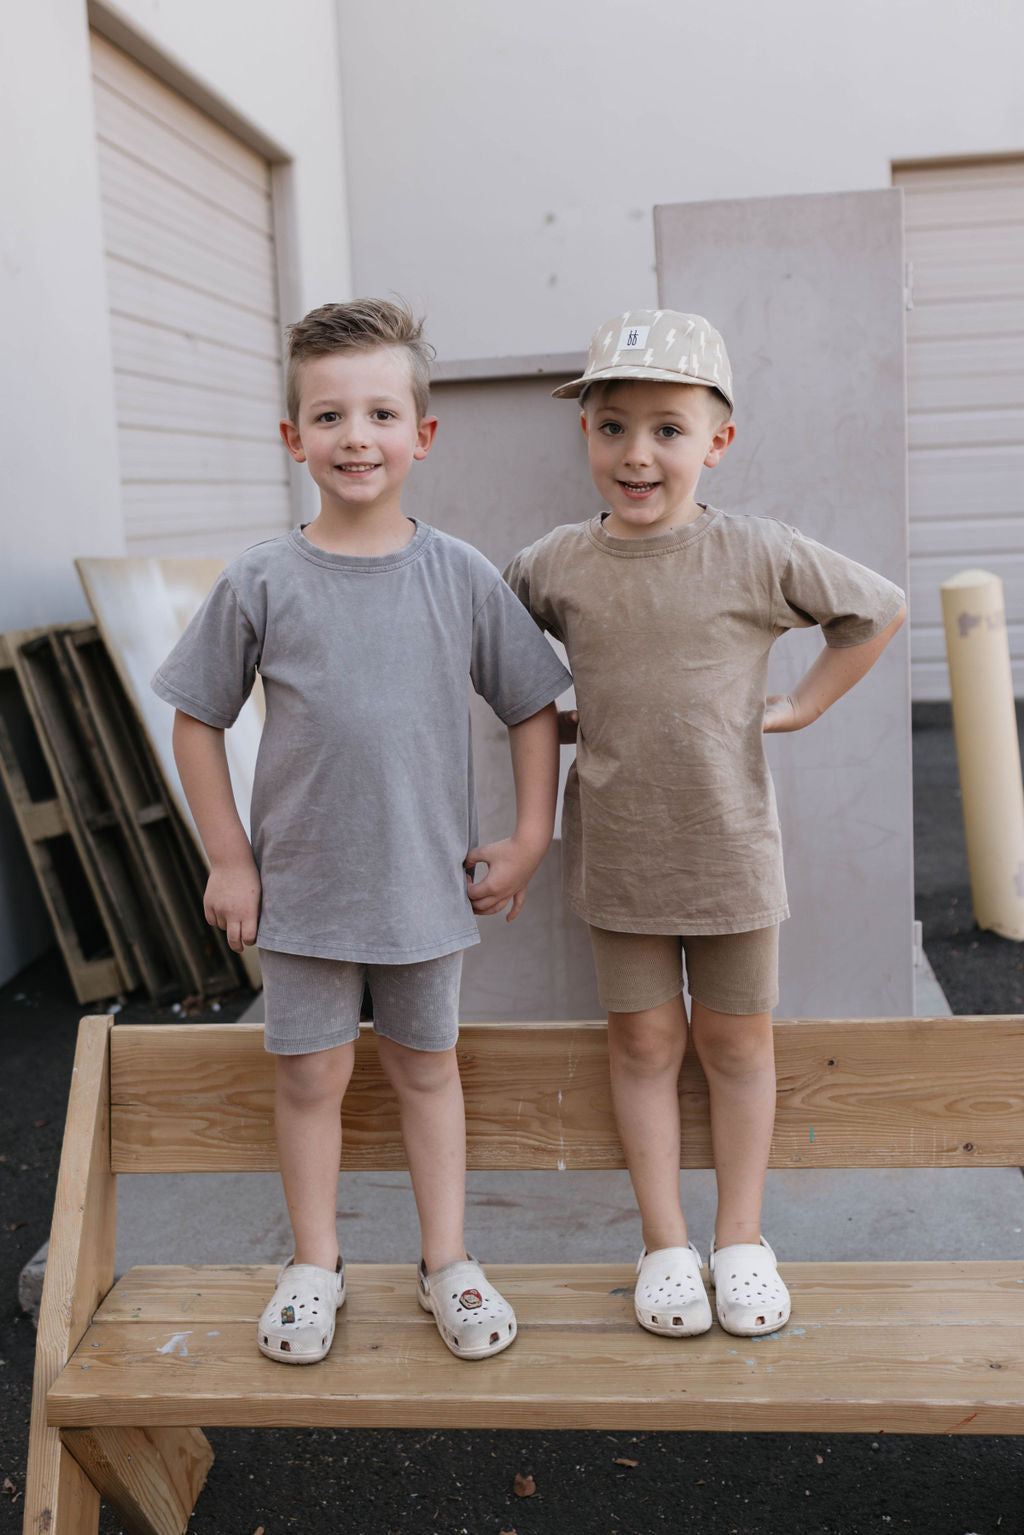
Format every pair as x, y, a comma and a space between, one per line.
648, 443
358, 431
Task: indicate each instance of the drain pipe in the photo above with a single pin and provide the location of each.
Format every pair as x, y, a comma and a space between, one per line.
987, 748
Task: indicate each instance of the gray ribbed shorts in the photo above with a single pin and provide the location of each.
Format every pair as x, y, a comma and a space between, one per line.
313, 1004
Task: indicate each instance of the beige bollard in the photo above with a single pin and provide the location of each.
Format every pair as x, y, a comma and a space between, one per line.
987, 748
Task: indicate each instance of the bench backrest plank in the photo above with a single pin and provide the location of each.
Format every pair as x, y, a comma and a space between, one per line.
901, 1092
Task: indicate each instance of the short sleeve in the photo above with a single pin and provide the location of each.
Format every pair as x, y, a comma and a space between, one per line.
819, 586
210, 672
513, 666
517, 575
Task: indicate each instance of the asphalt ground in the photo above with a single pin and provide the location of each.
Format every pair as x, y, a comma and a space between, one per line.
585, 1483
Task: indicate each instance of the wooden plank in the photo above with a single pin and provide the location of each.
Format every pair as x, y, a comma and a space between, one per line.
79, 1269
581, 1361
907, 1092
150, 1476
964, 1294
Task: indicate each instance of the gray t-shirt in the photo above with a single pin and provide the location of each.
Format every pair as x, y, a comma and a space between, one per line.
363, 807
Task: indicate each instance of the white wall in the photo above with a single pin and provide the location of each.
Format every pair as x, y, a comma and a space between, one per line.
508, 157
277, 77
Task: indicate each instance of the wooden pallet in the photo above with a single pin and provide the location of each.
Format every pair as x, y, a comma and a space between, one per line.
93, 767
70, 887
172, 872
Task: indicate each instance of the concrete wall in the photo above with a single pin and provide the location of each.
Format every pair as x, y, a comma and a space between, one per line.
508, 157
275, 83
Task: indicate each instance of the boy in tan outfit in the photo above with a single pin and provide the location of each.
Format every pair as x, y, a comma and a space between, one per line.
668, 609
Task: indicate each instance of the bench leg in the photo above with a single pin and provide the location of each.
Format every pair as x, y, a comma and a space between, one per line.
59, 1497
150, 1476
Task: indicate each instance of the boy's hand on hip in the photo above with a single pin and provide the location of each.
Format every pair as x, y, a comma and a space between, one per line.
781, 712
510, 863
232, 902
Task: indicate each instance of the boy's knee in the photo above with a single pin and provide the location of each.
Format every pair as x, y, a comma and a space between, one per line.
734, 1045
636, 1044
309, 1079
418, 1071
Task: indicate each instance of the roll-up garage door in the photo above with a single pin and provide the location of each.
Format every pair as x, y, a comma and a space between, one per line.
965, 332
188, 229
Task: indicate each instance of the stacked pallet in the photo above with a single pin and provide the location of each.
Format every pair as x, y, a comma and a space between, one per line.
117, 867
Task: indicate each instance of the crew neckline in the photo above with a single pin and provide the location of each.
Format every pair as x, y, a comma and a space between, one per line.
369, 564
659, 543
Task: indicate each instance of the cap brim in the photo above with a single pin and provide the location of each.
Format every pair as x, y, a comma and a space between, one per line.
570, 391
573, 390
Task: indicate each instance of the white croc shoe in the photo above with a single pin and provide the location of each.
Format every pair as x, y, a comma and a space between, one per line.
297, 1325
474, 1319
670, 1297
750, 1297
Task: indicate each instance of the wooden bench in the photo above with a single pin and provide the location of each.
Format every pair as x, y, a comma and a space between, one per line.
126, 1374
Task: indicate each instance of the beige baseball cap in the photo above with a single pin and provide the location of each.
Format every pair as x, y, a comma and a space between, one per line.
657, 344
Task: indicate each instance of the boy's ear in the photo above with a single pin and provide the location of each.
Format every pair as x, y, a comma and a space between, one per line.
292, 441
425, 436
719, 442
584, 428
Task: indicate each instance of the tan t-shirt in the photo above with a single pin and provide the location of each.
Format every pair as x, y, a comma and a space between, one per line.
669, 824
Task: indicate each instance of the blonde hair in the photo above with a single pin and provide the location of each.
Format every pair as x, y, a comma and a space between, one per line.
360, 326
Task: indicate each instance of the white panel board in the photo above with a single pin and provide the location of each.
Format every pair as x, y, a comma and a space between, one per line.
808, 292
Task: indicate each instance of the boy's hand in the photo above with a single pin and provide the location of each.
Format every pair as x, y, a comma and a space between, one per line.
781, 713
568, 726
232, 902
510, 863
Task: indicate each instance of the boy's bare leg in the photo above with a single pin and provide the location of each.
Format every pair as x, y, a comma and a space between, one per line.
738, 1057
307, 1113
646, 1052
429, 1092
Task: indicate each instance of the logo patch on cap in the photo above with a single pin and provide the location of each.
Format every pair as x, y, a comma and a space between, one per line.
471, 1299
632, 338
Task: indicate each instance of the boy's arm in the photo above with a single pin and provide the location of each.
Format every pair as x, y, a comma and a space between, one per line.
232, 900
534, 747
831, 675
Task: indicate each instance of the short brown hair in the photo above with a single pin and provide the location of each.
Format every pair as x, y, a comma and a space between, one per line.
719, 406
360, 326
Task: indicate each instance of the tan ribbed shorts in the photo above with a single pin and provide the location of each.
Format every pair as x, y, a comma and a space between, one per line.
728, 972
314, 1004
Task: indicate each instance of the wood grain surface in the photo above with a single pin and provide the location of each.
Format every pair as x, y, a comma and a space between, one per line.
916, 1347
59, 1498
876, 1092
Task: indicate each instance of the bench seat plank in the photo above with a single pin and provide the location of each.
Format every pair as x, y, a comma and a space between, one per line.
894, 1347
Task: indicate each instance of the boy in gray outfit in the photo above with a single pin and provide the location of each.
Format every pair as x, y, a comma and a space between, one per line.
367, 628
